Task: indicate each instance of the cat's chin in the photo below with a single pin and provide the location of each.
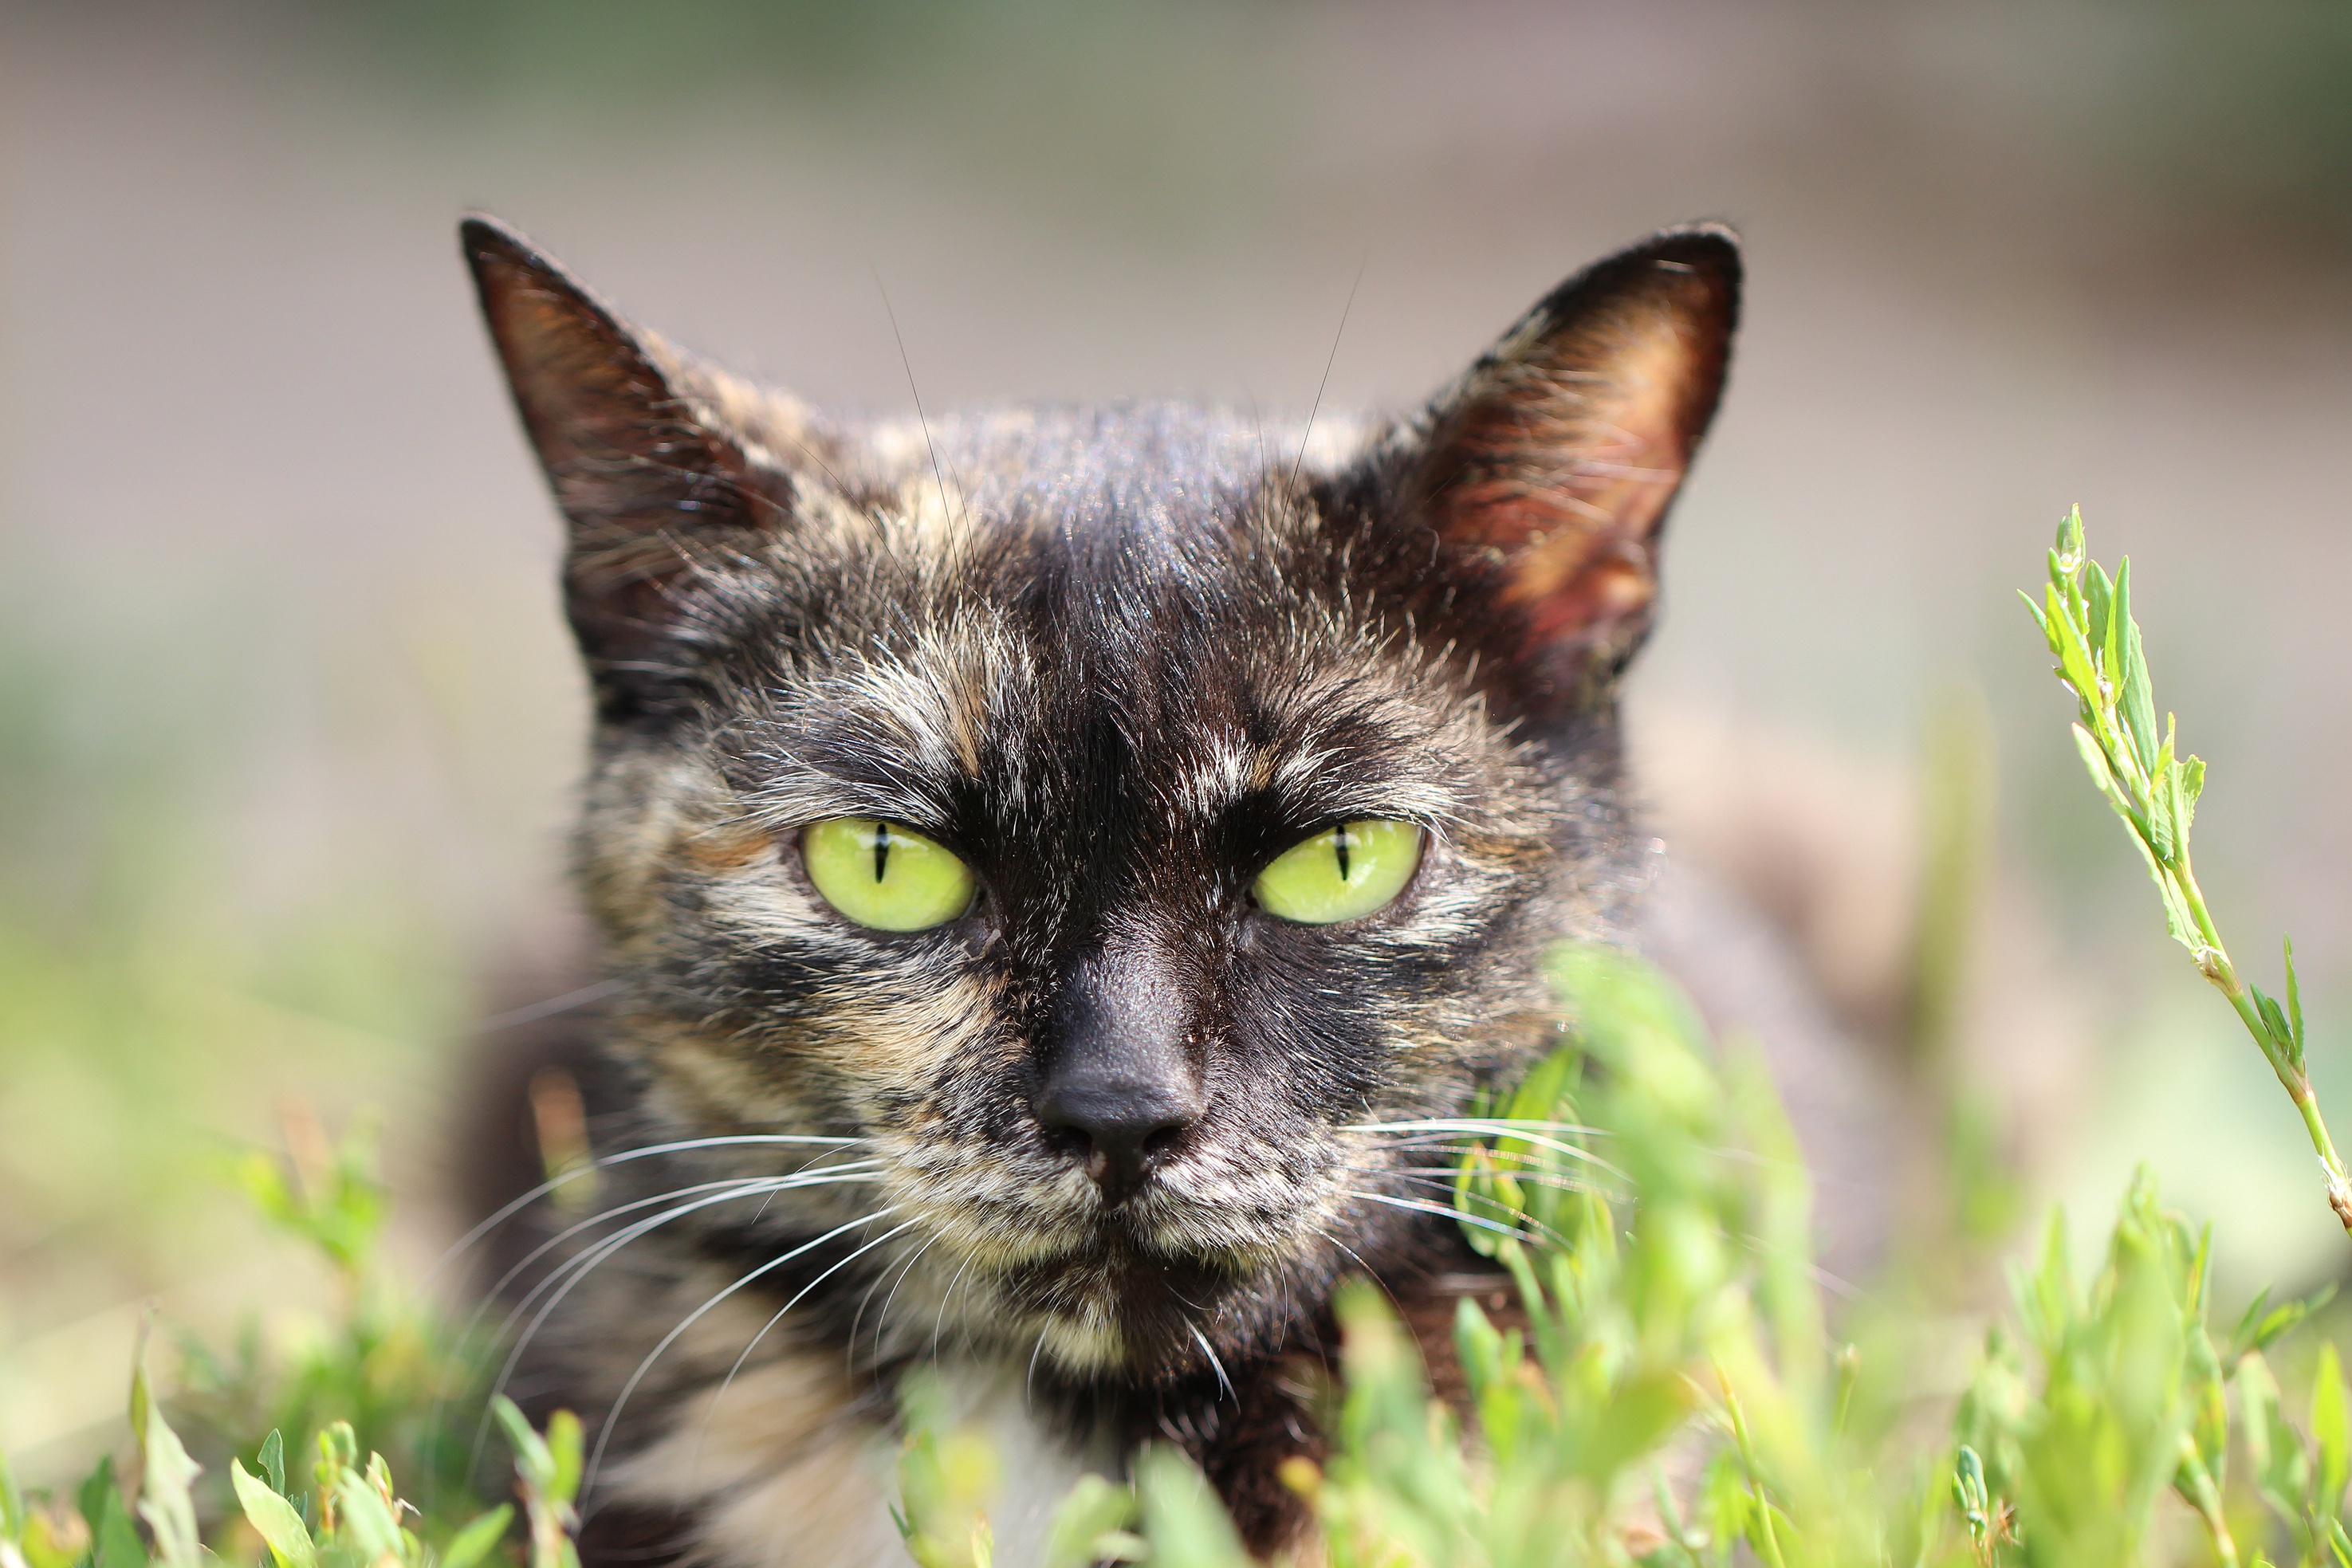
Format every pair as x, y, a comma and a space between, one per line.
1115, 1310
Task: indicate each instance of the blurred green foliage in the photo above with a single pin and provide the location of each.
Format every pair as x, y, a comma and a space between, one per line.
1676, 1399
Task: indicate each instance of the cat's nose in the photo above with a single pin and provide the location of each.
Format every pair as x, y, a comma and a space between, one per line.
1120, 1086
1116, 1129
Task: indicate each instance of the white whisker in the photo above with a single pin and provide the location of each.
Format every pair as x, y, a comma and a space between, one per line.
611, 1416
1223, 1381
579, 1268
1029, 1384
1432, 1179
940, 1323
1419, 1207
490, 1297
508, 1210
882, 1319
1536, 1133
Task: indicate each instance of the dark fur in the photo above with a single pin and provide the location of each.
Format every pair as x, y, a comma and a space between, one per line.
1117, 659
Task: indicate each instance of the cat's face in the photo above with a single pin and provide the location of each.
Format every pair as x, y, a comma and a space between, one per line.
1096, 671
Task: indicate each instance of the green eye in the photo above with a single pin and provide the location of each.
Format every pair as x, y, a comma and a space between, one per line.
884, 874
1342, 873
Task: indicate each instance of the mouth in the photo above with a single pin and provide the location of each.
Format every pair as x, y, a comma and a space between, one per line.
1113, 1305
1127, 1301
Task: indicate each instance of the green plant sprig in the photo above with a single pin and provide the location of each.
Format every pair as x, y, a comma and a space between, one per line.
2085, 616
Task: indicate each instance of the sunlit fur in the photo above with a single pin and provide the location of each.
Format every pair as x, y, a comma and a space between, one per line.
1117, 659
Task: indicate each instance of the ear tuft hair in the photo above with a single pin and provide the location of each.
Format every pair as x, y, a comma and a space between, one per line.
1548, 468
650, 476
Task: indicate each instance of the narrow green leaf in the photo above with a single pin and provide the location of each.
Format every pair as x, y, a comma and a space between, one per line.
2242, 1338
270, 1514
114, 1540
1187, 1526
272, 1460
2331, 1426
2095, 762
477, 1540
2099, 597
366, 1517
563, 1445
2163, 815
1094, 1508
2135, 700
2294, 1001
2285, 1316
2039, 619
2274, 1019
91, 1497
2074, 658
165, 1500
531, 1457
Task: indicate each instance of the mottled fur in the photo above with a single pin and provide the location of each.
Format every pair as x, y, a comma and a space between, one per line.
1117, 659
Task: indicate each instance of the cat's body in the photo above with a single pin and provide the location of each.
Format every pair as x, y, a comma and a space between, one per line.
1098, 1142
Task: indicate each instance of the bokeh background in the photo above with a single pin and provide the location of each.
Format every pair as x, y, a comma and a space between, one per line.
287, 724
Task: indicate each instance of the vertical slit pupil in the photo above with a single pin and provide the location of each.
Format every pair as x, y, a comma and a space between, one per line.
881, 849
1340, 844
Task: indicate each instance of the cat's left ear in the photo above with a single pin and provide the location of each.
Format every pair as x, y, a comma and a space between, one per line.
1546, 471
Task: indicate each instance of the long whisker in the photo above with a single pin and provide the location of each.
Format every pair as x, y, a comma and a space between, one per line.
1226, 1384
767, 1185
882, 1319
947, 513
1835, 1284
1526, 1133
1439, 1179
508, 1210
1369, 1273
473, 1323
1308, 434
1029, 1384
1446, 1132
581, 1267
1419, 1207
547, 1006
940, 1325
611, 1416
710, 1409
578, 1269
1453, 1138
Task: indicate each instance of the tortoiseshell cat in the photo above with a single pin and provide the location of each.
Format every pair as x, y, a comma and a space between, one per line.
1034, 856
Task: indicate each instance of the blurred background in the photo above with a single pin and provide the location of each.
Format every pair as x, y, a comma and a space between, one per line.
288, 724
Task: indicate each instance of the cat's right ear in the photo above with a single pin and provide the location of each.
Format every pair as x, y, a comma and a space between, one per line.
647, 462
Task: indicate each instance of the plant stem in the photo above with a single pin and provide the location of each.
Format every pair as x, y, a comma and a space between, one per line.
2215, 962
2208, 1502
1771, 1542
2086, 619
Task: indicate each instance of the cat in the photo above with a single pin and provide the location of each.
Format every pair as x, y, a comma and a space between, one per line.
1034, 854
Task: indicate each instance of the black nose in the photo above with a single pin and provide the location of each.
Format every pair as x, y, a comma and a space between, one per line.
1121, 1087
1118, 1131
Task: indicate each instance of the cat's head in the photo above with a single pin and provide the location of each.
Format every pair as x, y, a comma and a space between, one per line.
1109, 817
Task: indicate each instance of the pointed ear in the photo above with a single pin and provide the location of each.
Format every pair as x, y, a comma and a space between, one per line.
650, 456
1548, 469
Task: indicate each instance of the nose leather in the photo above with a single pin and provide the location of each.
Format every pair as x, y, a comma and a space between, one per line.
1122, 1084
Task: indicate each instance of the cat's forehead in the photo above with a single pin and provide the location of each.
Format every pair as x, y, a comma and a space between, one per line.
1108, 468
1136, 613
